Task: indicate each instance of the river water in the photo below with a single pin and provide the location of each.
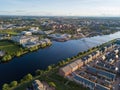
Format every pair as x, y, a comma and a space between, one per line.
18, 67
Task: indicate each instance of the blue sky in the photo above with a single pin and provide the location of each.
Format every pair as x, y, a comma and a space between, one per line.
60, 7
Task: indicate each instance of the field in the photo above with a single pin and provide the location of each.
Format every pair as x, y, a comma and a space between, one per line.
13, 31
9, 47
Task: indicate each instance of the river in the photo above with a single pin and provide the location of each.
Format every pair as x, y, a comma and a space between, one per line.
18, 67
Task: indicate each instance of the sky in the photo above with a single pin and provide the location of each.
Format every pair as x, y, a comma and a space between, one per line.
60, 7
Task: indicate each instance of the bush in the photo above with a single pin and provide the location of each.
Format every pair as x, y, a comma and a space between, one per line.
39, 72
52, 84
13, 83
6, 58
5, 87
28, 77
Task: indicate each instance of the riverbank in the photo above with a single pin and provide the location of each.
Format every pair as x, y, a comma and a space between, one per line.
81, 36
13, 50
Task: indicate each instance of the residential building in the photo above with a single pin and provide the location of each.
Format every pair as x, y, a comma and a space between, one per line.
79, 63
34, 29
74, 66
37, 85
24, 39
69, 68
64, 71
26, 33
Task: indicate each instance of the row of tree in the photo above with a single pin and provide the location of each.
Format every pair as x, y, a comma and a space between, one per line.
13, 84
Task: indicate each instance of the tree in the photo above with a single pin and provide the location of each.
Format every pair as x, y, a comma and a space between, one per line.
52, 84
43, 45
33, 48
18, 53
13, 84
49, 68
63, 62
68, 59
5, 87
38, 72
6, 58
28, 77
21, 50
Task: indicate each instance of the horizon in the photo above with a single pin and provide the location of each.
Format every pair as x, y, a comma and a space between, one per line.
60, 16
82, 8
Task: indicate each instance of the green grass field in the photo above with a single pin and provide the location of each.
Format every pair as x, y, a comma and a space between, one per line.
9, 47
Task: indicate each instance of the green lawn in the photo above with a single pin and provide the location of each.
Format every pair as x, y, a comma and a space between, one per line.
12, 33
9, 47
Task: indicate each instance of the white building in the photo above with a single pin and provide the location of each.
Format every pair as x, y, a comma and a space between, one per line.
34, 29
24, 39
26, 33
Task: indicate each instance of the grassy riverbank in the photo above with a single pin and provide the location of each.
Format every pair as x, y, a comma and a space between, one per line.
15, 50
9, 47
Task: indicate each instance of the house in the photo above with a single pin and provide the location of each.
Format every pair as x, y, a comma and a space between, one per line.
37, 85
105, 49
101, 50
85, 60
34, 29
66, 70
90, 58
111, 61
85, 82
116, 51
69, 68
94, 55
88, 83
26, 33
97, 53
74, 66
109, 46
101, 73
79, 63
103, 57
